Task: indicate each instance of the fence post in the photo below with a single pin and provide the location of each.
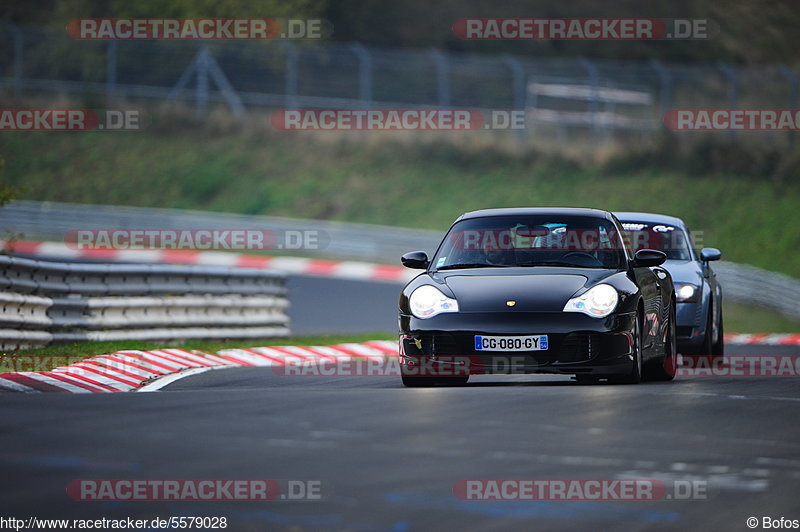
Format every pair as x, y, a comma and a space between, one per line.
111, 70
594, 101
18, 37
665, 82
793, 89
291, 75
518, 92
364, 73
201, 93
733, 87
183, 81
442, 78
228, 92
531, 101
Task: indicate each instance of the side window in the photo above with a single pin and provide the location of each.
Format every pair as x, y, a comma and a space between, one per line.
604, 239
692, 245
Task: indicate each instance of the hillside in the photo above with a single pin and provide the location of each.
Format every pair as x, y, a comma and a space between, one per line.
391, 180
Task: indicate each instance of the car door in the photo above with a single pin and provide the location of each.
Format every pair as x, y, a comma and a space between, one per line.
715, 301
649, 280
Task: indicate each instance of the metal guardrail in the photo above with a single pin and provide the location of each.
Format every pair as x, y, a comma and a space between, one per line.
755, 286
51, 221
45, 302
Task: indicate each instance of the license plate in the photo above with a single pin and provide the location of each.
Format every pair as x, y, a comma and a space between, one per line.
511, 343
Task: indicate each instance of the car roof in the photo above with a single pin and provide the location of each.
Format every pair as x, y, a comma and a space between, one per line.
521, 211
650, 218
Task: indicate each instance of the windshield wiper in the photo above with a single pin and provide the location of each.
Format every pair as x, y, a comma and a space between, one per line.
471, 265
553, 263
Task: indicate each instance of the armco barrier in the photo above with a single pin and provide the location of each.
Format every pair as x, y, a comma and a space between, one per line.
762, 288
44, 302
357, 242
52, 221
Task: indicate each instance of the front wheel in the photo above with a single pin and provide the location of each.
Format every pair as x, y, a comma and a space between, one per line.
666, 369
414, 380
705, 349
635, 375
718, 349
426, 382
453, 381
417, 382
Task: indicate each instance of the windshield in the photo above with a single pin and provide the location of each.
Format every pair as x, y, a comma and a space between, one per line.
670, 239
532, 240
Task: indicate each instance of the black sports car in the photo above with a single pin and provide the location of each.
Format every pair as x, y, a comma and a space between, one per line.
537, 290
699, 294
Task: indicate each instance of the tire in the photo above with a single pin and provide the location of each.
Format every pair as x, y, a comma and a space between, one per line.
718, 348
417, 382
635, 375
453, 381
666, 369
706, 348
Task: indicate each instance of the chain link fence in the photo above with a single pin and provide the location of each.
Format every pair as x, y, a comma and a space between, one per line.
562, 98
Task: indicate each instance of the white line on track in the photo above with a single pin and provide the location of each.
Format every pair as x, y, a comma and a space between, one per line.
157, 384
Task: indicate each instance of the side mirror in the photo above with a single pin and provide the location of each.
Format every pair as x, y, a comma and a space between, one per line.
417, 260
707, 254
649, 257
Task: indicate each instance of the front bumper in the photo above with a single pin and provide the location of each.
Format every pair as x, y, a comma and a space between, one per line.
691, 324
577, 344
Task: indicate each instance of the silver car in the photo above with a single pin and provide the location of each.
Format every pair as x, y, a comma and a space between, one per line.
698, 294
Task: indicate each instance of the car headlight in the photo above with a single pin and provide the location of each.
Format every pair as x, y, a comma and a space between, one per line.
686, 293
598, 302
428, 301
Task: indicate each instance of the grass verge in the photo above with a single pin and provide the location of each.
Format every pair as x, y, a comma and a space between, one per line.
396, 180
747, 319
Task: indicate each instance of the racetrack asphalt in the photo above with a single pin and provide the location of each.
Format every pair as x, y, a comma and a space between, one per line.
321, 305
388, 457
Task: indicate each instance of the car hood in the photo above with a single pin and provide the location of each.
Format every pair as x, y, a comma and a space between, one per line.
684, 271
530, 292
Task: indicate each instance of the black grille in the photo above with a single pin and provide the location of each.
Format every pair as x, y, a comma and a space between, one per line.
684, 332
578, 347
441, 344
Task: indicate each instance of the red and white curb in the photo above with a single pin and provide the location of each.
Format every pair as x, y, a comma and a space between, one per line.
126, 371
762, 339
295, 265
143, 371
